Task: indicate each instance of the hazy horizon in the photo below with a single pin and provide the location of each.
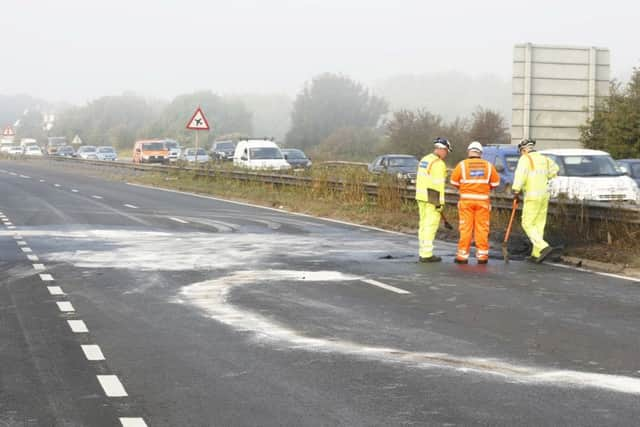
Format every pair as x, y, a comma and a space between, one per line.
74, 51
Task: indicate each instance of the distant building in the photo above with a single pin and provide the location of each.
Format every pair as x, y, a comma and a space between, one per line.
555, 91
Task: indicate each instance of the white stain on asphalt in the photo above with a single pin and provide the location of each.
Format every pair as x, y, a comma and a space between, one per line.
212, 297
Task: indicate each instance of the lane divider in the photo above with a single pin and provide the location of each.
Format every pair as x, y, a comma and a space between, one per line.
111, 384
181, 221
130, 206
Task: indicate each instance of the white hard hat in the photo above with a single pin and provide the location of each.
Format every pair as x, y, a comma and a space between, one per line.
476, 146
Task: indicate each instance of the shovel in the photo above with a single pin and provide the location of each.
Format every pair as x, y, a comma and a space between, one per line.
505, 248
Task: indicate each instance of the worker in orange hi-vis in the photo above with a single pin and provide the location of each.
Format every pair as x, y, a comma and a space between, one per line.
474, 178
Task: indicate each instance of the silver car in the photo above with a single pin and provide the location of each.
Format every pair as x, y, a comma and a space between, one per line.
106, 153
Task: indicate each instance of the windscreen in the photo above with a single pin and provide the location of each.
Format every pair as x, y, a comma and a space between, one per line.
408, 162
105, 150
589, 166
153, 146
635, 170
225, 146
171, 144
263, 153
88, 149
295, 154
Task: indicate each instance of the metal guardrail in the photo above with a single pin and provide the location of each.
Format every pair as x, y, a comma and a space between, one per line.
580, 210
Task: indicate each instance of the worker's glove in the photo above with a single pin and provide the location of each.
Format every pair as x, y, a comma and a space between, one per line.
439, 208
516, 196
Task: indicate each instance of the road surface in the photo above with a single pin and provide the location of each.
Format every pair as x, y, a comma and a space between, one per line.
125, 305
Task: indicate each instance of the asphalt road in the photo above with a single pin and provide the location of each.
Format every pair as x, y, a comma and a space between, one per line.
124, 305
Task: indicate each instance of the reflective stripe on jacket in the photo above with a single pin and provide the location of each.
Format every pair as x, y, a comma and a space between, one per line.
432, 174
475, 177
532, 175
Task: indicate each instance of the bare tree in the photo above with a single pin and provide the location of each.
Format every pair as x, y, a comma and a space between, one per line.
488, 127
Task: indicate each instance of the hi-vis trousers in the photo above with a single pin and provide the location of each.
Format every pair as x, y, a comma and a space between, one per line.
428, 227
534, 219
474, 217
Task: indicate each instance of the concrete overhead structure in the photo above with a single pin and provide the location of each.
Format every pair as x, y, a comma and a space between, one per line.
555, 91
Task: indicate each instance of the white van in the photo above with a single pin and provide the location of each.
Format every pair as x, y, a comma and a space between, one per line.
259, 154
590, 175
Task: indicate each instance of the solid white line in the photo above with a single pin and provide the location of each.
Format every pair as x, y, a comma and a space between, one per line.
74, 190
46, 277
92, 352
55, 290
97, 197
599, 273
21, 243
130, 206
335, 221
26, 250
181, 221
132, 422
33, 258
65, 306
385, 286
78, 326
112, 386
39, 267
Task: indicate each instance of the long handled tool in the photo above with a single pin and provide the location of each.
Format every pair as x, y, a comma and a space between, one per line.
447, 225
505, 243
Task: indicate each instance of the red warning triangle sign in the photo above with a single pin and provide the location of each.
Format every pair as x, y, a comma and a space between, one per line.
8, 131
198, 121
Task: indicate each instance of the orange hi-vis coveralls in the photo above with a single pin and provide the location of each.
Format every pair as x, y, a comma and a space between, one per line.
475, 178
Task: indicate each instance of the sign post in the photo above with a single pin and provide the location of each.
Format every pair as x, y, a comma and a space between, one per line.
198, 122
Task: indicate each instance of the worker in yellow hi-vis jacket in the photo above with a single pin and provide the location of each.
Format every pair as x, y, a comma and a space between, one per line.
532, 177
432, 174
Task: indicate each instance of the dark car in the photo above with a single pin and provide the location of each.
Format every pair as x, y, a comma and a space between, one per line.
66, 151
631, 167
223, 150
403, 166
296, 158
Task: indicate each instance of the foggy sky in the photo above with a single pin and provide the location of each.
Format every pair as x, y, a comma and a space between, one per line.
76, 50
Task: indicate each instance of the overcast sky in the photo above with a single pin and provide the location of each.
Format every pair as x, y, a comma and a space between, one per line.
76, 50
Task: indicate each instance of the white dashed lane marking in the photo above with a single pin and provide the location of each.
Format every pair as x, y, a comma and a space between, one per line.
181, 221
132, 422
46, 277
17, 237
74, 190
33, 258
130, 206
55, 290
78, 326
26, 250
92, 352
39, 267
97, 197
112, 386
11, 227
65, 306
22, 243
42, 180
385, 286
56, 185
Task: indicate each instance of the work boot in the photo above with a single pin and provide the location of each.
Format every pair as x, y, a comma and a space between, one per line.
483, 261
531, 258
432, 258
461, 261
544, 253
